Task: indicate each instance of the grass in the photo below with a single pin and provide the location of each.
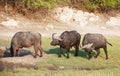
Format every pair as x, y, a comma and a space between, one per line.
74, 66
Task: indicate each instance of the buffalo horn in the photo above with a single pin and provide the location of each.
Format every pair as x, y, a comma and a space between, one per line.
53, 35
87, 45
58, 38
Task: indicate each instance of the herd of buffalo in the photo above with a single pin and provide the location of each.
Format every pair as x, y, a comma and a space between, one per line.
66, 40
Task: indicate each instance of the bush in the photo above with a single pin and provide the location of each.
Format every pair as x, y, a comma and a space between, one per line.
104, 5
90, 5
47, 4
27, 7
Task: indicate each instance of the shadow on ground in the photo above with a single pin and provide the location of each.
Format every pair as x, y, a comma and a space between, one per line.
57, 50
23, 52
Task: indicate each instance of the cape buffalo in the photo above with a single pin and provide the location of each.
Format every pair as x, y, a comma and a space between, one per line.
94, 42
26, 39
66, 40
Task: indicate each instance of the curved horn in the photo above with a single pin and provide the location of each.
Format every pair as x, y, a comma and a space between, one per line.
53, 35
58, 38
89, 45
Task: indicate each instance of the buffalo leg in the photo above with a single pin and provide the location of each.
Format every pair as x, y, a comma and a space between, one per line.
98, 52
76, 50
105, 50
40, 49
36, 51
60, 52
14, 51
68, 53
90, 55
19, 51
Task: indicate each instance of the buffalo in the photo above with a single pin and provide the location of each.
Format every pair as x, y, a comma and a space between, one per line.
94, 42
66, 40
26, 39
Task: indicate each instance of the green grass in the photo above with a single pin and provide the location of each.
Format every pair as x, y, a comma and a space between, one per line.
4, 42
74, 66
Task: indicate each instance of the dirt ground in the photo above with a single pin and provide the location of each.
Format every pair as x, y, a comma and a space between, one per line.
25, 60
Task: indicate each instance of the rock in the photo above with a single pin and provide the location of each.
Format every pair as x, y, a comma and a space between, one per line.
66, 14
46, 29
94, 18
50, 26
86, 14
104, 28
113, 21
78, 17
61, 67
10, 22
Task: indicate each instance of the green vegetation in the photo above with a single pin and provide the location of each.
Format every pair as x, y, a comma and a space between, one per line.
92, 5
103, 5
74, 66
47, 4
4, 42
39, 9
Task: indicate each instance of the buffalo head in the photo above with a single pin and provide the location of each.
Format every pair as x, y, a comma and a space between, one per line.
55, 40
88, 47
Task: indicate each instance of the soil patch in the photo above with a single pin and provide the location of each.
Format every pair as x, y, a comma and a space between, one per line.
26, 60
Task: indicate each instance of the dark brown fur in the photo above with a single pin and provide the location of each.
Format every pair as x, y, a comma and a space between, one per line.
98, 40
26, 39
67, 40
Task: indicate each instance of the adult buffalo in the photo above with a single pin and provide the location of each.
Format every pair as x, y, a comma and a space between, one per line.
66, 40
26, 39
94, 42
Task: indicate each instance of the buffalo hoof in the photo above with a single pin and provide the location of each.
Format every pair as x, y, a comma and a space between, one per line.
106, 58
89, 58
59, 56
95, 56
40, 56
11, 56
35, 56
68, 57
76, 55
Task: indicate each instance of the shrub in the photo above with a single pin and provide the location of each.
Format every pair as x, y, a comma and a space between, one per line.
47, 4
90, 5
104, 5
